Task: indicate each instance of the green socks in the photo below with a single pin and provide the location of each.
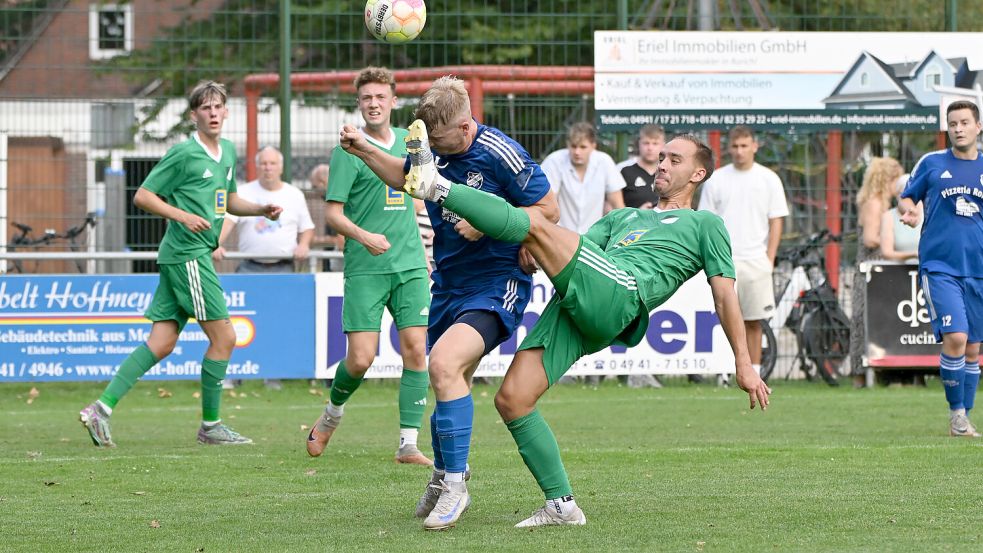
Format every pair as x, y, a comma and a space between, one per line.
412, 397
541, 453
490, 214
344, 385
212, 373
133, 367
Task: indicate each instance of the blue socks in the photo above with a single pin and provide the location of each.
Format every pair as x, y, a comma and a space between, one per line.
970, 381
438, 459
953, 373
453, 420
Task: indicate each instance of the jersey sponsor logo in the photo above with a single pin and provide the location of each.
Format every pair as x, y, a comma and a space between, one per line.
946, 175
394, 197
449, 216
632, 237
220, 202
207, 174
966, 208
475, 180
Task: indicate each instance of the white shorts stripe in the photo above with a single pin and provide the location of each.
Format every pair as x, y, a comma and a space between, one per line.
194, 285
498, 149
511, 294
928, 296
508, 148
604, 265
629, 284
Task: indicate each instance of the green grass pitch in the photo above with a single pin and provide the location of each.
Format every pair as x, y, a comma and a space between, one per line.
685, 468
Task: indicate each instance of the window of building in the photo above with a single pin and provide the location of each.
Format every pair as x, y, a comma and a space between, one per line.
933, 77
864, 80
110, 30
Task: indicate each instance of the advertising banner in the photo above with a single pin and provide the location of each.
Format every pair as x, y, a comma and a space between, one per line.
897, 319
861, 81
684, 337
81, 327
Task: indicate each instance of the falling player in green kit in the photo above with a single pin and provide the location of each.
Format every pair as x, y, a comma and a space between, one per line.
193, 187
607, 281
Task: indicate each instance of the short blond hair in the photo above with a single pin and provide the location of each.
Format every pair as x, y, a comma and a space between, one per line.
445, 102
379, 75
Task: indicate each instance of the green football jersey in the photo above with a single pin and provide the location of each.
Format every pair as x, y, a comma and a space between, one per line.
376, 208
190, 179
663, 249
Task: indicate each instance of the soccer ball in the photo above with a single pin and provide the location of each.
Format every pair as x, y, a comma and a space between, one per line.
395, 21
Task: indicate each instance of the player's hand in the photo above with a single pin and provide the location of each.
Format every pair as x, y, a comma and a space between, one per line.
911, 218
646, 205
377, 244
527, 262
218, 254
301, 252
272, 212
468, 232
352, 141
749, 381
195, 223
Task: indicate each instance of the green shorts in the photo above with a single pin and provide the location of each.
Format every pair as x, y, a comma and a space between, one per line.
406, 294
601, 303
188, 290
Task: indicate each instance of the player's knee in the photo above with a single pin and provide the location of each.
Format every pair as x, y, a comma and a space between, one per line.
357, 361
415, 355
954, 342
511, 403
444, 371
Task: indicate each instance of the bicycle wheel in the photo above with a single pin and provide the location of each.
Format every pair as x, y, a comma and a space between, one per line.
769, 350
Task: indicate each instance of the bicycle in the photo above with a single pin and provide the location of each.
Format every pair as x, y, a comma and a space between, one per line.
806, 304
72, 233
25, 239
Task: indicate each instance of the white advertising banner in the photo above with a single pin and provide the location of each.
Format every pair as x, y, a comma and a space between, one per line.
832, 80
684, 337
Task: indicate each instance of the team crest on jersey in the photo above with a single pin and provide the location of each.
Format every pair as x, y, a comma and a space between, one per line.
632, 237
449, 216
965, 207
220, 202
394, 197
475, 180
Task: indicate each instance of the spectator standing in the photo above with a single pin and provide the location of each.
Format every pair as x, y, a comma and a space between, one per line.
290, 235
583, 179
899, 242
873, 202
639, 174
751, 200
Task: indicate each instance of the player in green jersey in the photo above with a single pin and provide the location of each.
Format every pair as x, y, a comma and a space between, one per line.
385, 267
607, 281
193, 187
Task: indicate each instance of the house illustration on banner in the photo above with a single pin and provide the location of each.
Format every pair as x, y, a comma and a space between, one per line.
873, 84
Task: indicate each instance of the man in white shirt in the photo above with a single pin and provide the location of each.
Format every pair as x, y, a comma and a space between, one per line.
750, 199
584, 180
291, 235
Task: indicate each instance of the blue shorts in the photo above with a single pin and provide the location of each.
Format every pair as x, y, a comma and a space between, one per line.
955, 304
506, 298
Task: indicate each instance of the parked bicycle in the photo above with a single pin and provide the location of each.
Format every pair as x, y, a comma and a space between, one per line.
26, 239
806, 304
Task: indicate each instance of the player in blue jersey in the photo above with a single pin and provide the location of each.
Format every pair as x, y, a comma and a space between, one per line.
950, 256
480, 285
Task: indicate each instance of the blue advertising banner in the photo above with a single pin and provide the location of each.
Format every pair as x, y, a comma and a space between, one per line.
81, 327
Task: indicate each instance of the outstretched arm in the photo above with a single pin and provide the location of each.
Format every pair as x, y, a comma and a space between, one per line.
386, 167
240, 206
729, 312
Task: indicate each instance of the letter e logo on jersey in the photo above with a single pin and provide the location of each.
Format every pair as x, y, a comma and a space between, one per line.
632, 237
475, 180
394, 197
220, 199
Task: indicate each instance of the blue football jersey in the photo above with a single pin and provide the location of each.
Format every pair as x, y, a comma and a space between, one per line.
952, 192
498, 165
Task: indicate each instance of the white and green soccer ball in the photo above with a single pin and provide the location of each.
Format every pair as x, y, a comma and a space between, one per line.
395, 21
